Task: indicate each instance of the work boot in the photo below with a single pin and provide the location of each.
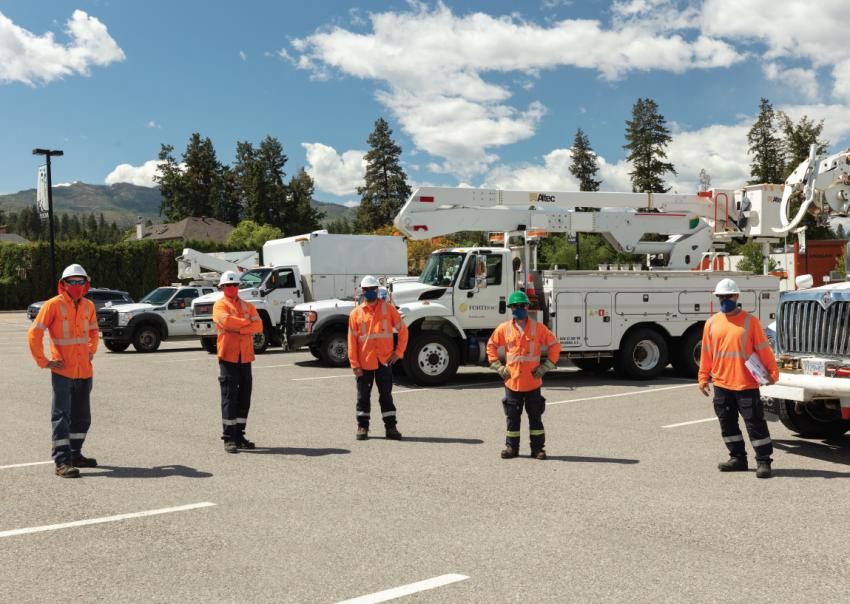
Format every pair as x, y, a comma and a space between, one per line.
393, 433
735, 464
81, 461
64, 470
230, 447
763, 469
362, 432
541, 454
509, 452
244, 443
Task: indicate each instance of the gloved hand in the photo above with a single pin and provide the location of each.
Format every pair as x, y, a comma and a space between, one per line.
541, 370
503, 371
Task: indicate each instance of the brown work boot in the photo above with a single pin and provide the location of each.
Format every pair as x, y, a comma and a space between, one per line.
244, 443
362, 433
735, 464
81, 461
393, 433
541, 454
509, 452
64, 470
230, 447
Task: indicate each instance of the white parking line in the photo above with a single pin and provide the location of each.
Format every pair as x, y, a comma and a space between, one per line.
406, 590
631, 393
324, 377
270, 366
23, 465
186, 360
459, 387
64, 525
696, 421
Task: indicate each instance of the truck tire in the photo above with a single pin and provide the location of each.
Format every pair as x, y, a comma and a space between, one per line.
431, 359
597, 366
209, 344
146, 338
333, 348
116, 346
262, 340
814, 421
685, 359
643, 355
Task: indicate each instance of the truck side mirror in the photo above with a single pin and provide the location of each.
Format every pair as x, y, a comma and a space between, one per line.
481, 272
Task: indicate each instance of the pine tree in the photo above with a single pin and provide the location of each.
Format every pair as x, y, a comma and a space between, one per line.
798, 138
299, 214
647, 137
385, 188
64, 228
766, 147
169, 176
259, 181
584, 166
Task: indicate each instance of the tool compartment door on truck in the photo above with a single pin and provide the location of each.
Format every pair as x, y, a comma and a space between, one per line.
599, 324
645, 304
475, 307
570, 319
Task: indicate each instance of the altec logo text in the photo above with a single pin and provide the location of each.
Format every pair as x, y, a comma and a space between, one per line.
541, 198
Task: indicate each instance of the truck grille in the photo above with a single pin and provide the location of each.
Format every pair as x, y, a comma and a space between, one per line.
299, 322
805, 326
107, 318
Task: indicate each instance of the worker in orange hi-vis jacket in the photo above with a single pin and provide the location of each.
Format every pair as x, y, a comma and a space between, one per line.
522, 342
729, 339
372, 352
71, 322
236, 322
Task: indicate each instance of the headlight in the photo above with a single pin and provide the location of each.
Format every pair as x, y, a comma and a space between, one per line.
311, 316
124, 318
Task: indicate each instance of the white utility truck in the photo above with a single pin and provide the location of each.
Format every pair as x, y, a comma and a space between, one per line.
811, 337
305, 268
638, 321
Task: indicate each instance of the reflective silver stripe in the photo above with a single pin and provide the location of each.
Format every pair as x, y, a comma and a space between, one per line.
255, 318
762, 345
71, 341
761, 442
62, 442
241, 420
522, 359
533, 336
745, 334
40, 326
388, 414
362, 414
375, 336
729, 355
77, 435
229, 422
733, 439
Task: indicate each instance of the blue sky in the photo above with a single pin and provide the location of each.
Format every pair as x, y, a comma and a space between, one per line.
478, 93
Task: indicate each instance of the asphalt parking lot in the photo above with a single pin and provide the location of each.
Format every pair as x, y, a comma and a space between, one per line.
629, 507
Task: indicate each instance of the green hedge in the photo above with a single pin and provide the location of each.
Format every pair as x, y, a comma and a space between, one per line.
135, 267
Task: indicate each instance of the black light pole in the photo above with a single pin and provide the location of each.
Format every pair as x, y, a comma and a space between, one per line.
48, 153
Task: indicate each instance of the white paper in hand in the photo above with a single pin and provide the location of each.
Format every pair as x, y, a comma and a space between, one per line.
757, 369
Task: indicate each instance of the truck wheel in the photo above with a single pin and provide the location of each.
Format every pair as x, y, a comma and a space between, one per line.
431, 359
686, 358
642, 355
597, 366
146, 339
116, 346
316, 352
262, 340
333, 349
209, 344
814, 421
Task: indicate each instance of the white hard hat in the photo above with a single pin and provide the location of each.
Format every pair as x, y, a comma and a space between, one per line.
75, 270
369, 281
228, 278
726, 287
383, 293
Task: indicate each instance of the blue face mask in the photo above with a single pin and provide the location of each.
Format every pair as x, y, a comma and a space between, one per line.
520, 313
370, 295
728, 305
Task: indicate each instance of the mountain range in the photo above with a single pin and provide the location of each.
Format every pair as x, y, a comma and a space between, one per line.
123, 203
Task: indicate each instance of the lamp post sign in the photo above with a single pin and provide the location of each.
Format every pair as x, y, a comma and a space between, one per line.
41, 193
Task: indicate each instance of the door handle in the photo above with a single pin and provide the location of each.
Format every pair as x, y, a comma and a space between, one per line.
469, 294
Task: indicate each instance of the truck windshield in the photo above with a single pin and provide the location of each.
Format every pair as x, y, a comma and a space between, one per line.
160, 295
441, 269
253, 279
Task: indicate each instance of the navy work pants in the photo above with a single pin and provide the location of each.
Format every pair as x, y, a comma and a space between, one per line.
535, 405
727, 405
236, 385
383, 377
70, 416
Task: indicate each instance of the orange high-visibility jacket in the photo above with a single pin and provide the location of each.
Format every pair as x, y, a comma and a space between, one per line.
370, 335
73, 335
236, 322
522, 350
727, 342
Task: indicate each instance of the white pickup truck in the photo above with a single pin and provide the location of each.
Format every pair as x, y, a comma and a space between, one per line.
306, 268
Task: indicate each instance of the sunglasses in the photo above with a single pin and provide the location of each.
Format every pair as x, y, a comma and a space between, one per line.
725, 296
75, 281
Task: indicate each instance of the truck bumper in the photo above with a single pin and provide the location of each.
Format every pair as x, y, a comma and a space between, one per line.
804, 388
116, 334
204, 328
301, 340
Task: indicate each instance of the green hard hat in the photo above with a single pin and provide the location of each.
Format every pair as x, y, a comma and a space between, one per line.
518, 297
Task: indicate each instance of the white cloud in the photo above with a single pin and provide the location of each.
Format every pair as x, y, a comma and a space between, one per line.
31, 59
242, 55
153, 124
803, 80
136, 175
332, 172
433, 63
351, 204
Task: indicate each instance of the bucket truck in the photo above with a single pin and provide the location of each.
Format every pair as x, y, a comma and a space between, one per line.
636, 320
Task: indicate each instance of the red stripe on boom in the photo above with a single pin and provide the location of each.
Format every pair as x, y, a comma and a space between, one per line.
426, 198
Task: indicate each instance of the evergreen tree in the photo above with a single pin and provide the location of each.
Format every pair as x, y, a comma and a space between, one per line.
798, 138
584, 166
259, 180
169, 176
768, 164
91, 228
76, 227
341, 226
64, 227
647, 137
299, 214
385, 188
